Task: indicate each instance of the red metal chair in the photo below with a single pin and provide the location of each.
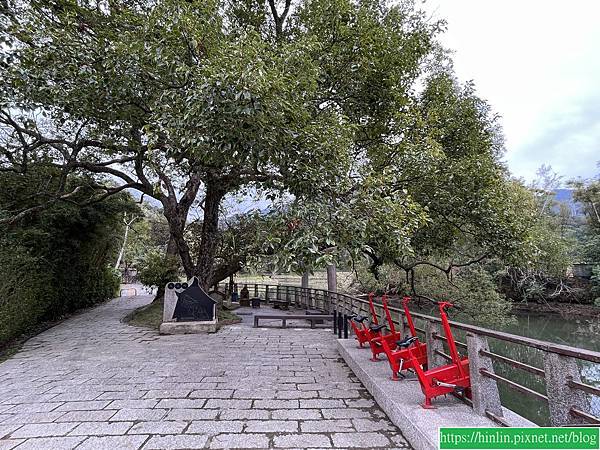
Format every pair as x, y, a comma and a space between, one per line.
376, 342
401, 358
362, 332
450, 378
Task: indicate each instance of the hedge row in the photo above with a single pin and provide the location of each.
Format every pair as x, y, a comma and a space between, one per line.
56, 261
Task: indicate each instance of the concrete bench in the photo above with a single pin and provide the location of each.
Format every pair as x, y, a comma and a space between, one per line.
285, 317
315, 312
280, 304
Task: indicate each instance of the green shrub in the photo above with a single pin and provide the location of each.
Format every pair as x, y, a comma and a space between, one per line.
473, 289
157, 269
596, 285
25, 292
57, 260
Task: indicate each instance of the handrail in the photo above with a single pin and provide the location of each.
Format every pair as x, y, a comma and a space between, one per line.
565, 391
584, 415
514, 363
564, 350
445, 339
583, 387
513, 385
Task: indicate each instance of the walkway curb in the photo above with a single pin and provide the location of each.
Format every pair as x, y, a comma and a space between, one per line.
401, 400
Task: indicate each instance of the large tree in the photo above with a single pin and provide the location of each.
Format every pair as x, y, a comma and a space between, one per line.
433, 193
189, 102
587, 194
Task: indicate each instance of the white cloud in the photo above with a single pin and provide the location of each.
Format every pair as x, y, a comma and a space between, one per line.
537, 64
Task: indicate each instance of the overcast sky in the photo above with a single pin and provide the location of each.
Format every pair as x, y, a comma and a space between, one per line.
538, 64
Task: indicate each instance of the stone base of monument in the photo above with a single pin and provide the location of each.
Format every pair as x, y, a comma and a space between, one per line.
188, 327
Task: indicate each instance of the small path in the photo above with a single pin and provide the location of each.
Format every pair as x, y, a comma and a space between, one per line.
93, 382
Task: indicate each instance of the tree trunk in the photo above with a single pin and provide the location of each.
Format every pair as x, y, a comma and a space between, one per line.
122, 251
128, 225
176, 215
172, 247
177, 219
171, 251
210, 229
596, 212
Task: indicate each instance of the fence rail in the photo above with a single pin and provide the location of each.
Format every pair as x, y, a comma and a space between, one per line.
565, 394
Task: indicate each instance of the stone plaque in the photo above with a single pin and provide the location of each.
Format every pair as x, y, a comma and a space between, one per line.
193, 304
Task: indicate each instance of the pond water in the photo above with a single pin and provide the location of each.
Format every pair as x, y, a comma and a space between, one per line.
577, 332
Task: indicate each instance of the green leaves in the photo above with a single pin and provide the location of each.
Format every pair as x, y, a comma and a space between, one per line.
345, 122
157, 269
55, 260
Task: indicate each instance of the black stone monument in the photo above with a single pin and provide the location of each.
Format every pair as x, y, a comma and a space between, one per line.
193, 304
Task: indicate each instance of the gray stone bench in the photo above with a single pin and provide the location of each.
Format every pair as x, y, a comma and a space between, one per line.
285, 317
315, 312
280, 304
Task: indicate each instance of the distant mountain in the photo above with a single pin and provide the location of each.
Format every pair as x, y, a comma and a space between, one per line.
566, 196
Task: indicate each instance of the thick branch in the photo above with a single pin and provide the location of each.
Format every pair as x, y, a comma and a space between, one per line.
24, 213
225, 270
279, 19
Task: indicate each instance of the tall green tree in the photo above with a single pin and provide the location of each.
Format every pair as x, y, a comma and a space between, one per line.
587, 194
189, 102
435, 193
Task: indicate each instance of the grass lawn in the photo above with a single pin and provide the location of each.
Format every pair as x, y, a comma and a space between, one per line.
318, 280
150, 316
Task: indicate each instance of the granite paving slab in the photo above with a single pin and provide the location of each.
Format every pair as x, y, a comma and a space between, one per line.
95, 382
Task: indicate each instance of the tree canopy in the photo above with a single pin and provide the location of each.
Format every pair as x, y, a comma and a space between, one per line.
344, 114
177, 98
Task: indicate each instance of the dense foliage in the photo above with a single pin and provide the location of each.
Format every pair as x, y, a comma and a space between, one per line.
345, 116
432, 201
156, 269
187, 99
58, 259
587, 193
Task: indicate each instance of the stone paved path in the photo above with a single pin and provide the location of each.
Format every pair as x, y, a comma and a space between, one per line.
93, 382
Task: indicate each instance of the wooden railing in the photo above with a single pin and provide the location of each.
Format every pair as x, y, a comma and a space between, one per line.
558, 380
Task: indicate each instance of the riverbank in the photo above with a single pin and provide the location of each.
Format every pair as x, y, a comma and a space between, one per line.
566, 310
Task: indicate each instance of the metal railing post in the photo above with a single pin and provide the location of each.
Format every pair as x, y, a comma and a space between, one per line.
334, 321
345, 326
